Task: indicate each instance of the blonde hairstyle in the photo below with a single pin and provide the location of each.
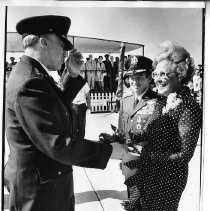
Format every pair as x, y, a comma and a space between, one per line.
180, 58
75, 58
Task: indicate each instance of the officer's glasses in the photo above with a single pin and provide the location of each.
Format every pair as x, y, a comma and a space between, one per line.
156, 75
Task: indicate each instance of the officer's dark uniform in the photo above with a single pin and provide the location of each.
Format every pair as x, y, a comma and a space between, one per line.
134, 114
38, 126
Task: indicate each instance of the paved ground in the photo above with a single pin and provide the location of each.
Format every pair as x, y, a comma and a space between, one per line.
103, 190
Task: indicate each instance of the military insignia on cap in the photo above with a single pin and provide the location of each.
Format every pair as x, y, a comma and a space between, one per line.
134, 60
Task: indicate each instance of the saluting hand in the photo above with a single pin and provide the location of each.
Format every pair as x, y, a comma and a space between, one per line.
74, 63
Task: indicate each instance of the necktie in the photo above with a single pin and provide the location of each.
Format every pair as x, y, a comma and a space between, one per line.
136, 102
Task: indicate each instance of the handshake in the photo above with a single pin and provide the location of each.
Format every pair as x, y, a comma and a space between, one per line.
117, 137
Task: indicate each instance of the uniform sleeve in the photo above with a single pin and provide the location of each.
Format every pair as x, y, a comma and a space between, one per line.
46, 122
71, 86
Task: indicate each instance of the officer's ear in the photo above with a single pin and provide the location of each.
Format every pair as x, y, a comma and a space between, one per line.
43, 42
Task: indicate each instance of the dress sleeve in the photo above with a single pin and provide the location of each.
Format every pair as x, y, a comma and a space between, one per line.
189, 128
189, 125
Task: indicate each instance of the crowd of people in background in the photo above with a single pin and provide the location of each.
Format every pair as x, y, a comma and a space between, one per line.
101, 75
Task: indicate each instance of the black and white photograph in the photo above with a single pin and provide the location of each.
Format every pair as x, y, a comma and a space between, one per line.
104, 105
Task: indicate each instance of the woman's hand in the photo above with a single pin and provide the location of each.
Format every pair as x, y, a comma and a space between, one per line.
127, 172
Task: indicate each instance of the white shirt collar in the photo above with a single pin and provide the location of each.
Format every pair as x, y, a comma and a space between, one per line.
44, 67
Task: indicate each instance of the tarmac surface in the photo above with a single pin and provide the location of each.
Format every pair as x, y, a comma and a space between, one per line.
103, 190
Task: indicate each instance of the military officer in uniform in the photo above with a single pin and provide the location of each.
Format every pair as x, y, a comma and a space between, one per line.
137, 106
38, 174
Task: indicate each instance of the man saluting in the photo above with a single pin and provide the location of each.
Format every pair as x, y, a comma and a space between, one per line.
38, 174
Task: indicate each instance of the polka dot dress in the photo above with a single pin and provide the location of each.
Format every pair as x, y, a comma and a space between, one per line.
163, 163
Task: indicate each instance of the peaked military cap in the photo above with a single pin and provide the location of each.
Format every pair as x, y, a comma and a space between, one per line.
47, 24
138, 64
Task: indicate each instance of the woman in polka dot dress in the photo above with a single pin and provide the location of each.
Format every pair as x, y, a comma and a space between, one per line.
171, 134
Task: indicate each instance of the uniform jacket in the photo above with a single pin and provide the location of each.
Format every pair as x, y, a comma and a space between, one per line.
38, 127
133, 116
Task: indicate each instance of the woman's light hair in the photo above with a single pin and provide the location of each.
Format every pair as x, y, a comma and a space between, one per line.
75, 58
180, 58
30, 41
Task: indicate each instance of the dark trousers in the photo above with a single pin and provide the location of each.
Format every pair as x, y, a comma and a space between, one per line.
98, 86
28, 193
106, 83
79, 119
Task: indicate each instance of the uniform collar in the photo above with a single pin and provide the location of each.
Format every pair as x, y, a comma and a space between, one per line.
141, 95
44, 67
